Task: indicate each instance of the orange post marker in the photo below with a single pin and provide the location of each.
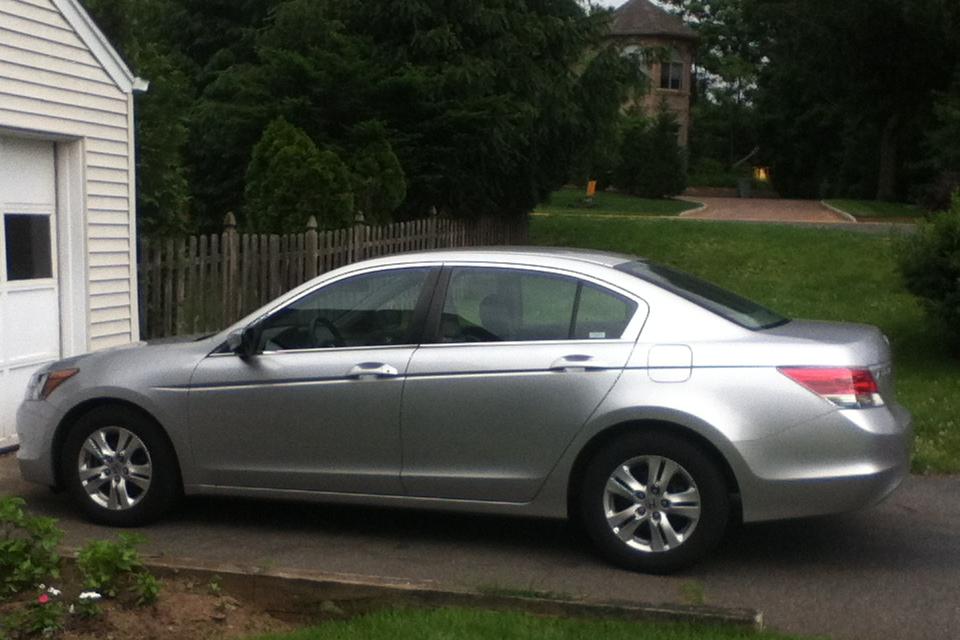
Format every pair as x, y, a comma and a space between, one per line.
591, 188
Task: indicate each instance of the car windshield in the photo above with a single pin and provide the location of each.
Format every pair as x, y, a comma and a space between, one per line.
725, 304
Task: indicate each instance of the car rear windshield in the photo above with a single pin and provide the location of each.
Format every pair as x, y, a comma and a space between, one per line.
725, 304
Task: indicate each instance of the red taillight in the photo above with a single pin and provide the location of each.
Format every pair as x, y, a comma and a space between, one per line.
844, 387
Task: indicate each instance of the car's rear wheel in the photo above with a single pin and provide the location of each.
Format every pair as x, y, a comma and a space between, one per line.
119, 467
654, 502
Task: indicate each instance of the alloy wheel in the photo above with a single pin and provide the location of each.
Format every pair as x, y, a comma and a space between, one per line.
115, 468
651, 503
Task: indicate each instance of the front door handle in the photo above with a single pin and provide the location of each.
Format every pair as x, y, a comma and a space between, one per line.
577, 363
372, 371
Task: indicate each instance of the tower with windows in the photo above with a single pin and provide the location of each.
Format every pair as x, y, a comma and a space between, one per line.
666, 47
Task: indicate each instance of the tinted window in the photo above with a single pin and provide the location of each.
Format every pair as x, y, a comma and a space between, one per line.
366, 310
601, 314
28, 246
498, 305
725, 304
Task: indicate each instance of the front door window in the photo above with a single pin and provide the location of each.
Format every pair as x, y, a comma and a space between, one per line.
375, 309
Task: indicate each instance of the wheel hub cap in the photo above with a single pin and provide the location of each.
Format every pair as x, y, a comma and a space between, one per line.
651, 503
115, 468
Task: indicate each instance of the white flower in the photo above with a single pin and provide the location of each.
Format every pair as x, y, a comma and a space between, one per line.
53, 591
89, 595
42, 587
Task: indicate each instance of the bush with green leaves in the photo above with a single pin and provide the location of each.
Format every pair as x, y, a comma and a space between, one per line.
290, 179
28, 548
930, 264
108, 568
652, 163
379, 184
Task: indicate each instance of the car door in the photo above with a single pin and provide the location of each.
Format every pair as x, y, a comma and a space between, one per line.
318, 408
519, 360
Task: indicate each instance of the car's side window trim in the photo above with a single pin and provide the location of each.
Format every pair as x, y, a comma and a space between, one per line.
421, 311
431, 329
431, 335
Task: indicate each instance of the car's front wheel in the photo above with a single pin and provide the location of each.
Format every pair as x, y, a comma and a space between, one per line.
119, 467
654, 502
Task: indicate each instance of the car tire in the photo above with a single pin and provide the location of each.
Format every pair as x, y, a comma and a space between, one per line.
119, 467
660, 523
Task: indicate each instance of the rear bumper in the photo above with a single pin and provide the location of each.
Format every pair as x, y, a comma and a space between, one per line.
841, 462
35, 427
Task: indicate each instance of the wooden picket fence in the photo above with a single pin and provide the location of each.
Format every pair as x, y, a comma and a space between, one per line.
201, 284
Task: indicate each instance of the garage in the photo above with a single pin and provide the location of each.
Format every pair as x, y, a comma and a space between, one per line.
29, 296
68, 281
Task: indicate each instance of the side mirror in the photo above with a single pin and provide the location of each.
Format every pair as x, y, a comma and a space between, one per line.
244, 342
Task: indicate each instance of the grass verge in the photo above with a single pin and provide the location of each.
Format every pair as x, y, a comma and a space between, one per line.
873, 209
805, 273
468, 624
570, 201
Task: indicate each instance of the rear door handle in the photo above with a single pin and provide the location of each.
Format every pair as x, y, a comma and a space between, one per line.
372, 371
579, 363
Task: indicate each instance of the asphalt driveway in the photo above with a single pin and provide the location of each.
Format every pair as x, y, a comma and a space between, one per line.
889, 572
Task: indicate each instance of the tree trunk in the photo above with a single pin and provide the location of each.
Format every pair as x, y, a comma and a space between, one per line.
887, 178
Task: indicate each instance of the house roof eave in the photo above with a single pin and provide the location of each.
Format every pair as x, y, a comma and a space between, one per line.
100, 46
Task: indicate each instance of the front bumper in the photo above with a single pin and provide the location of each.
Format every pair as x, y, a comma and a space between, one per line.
844, 461
36, 424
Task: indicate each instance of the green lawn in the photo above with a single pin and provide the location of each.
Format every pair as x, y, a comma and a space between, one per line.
875, 209
464, 624
805, 273
570, 201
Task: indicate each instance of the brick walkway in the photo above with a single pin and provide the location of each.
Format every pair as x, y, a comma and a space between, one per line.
760, 210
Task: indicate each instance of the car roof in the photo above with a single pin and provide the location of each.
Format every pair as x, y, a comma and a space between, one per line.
511, 254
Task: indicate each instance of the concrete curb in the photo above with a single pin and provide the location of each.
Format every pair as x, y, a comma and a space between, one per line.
846, 215
305, 596
703, 205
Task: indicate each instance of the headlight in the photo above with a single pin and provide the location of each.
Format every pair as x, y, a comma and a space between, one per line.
43, 384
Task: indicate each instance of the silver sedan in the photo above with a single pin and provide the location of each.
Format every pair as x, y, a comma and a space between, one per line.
647, 404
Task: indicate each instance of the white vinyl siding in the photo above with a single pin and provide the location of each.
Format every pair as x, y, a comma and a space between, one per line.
52, 84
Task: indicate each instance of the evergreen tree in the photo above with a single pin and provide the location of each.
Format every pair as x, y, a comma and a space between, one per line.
290, 179
379, 184
652, 164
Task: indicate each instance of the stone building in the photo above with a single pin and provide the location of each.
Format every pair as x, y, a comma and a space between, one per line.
639, 26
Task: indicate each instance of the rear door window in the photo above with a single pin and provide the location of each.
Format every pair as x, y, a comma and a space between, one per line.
512, 305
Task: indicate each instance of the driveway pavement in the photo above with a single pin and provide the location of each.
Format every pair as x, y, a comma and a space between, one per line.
763, 210
890, 572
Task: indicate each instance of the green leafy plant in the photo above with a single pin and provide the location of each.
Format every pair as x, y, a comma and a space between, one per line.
215, 587
28, 544
930, 264
652, 163
45, 616
106, 567
290, 179
145, 588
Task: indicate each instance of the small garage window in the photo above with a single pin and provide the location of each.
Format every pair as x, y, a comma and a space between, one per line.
27, 240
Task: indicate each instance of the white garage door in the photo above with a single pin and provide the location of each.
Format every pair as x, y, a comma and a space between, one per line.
29, 300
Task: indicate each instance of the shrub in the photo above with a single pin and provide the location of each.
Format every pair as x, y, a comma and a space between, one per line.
109, 567
652, 162
290, 179
28, 548
379, 184
930, 264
